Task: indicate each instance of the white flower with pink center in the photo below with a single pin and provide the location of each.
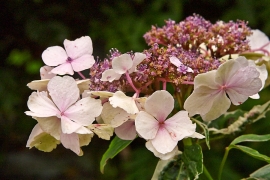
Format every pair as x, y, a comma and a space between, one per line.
76, 57
121, 65
163, 133
234, 81
64, 115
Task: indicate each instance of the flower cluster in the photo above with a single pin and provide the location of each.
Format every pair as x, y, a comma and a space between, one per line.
128, 93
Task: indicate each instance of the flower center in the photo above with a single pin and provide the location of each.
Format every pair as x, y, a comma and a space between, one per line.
69, 60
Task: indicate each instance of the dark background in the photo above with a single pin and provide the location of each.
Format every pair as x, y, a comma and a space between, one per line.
28, 27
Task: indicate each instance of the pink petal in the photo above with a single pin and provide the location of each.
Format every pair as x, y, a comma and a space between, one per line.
84, 111
54, 56
63, 69
175, 61
163, 142
201, 100
110, 75
122, 63
146, 125
71, 141
228, 69
40, 105
126, 131
35, 132
165, 156
45, 72
258, 39
84, 62
50, 125
220, 105
160, 104
180, 126
64, 91
206, 79
79, 47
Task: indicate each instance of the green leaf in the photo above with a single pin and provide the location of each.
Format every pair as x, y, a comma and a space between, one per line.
240, 119
262, 173
251, 152
251, 138
205, 130
193, 159
45, 142
188, 165
116, 146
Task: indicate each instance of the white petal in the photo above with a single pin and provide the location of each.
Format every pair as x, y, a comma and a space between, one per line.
109, 112
110, 75
119, 99
122, 63
126, 131
84, 62
63, 69
40, 105
83, 85
206, 79
84, 111
35, 132
197, 135
160, 104
180, 126
45, 72
64, 91
258, 39
102, 94
54, 56
50, 125
165, 156
103, 131
138, 58
146, 125
71, 141
68, 127
39, 85
121, 118
175, 61
79, 47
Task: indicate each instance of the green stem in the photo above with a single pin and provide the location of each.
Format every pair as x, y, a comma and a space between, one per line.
206, 173
179, 100
227, 149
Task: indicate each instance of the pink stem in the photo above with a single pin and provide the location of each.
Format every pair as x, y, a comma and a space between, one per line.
82, 76
131, 84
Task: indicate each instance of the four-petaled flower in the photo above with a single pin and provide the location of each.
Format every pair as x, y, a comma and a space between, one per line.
62, 114
76, 57
235, 78
152, 125
122, 64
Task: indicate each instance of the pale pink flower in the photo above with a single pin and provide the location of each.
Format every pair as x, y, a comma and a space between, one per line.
122, 64
63, 115
152, 125
76, 57
259, 42
235, 78
180, 66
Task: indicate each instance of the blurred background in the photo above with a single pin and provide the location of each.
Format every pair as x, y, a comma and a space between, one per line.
28, 27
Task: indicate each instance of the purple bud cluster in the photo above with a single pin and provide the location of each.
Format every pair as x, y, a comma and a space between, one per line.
220, 38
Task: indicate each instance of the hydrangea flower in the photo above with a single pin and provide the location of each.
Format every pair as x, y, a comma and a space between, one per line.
152, 125
77, 56
63, 115
235, 78
122, 64
259, 42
